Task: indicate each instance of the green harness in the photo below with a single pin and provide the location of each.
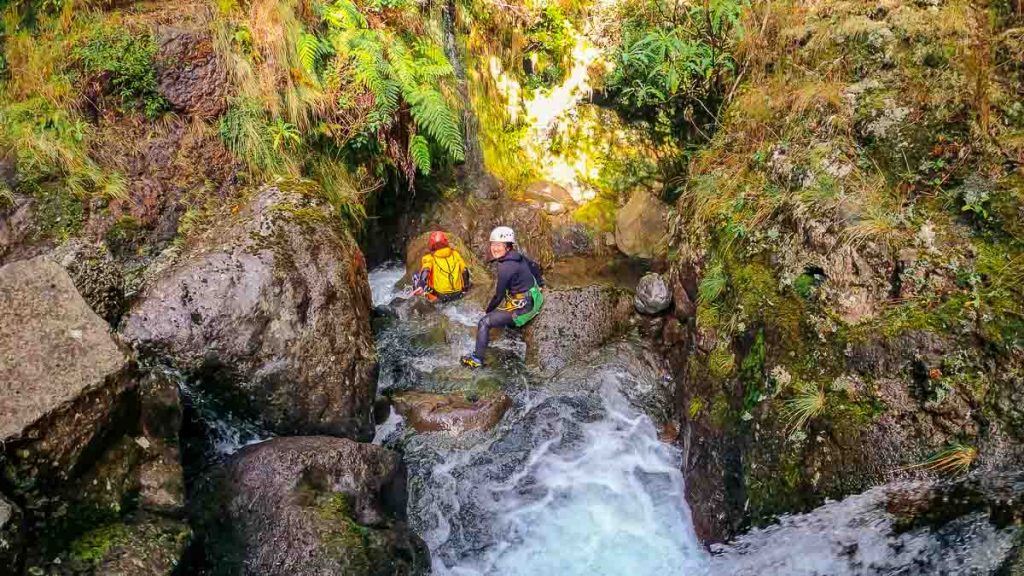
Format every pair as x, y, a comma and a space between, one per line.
538, 302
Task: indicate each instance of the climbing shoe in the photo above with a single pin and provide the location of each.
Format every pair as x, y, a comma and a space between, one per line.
472, 361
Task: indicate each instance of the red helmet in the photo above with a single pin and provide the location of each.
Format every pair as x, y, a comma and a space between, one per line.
437, 241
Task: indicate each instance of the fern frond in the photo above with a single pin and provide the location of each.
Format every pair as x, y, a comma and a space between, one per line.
433, 116
309, 50
345, 15
432, 63
402, 64
419, 151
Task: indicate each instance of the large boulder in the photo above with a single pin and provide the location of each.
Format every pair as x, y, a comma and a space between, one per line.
641, 226
142, 545
309, 505
74, 447
270, 309
66, 387
573, 322
550, 197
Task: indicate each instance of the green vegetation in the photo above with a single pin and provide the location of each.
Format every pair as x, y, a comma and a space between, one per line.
549, 48
41, 124
674, 61
128, 60
808, 402
93, 546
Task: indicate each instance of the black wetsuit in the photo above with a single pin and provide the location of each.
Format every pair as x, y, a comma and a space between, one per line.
516, 275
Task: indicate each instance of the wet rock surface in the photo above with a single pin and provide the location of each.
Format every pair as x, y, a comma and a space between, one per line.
66, 390
573, 322
455, 413
142, 545
97, 276
308, 505
270, 309
85, 437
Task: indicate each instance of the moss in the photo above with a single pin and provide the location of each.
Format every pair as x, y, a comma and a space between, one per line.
598, 214
751, 373
344, 538
93, 545
721, 413
59, 214
123, 233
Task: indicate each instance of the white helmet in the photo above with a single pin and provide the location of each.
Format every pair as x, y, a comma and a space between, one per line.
503, 234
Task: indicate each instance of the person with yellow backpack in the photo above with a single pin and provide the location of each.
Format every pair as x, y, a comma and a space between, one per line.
443, 275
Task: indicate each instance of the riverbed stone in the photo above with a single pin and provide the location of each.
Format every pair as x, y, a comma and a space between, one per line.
455, 413
269, 310
653, 295
573, 322
309, 505
141, 545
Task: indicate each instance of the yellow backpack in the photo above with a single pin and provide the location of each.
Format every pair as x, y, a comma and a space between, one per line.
447, 271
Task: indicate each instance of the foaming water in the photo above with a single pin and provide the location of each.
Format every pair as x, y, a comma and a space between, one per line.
574, 481
384, 283
571, 485
857, 537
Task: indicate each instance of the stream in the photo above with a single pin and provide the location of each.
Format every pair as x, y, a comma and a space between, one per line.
574, 480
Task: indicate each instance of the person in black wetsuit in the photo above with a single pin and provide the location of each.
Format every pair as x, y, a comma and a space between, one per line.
517, 296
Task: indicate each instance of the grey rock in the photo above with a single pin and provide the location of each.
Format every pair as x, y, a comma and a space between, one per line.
96, 275
309, 505
573, 322
270, 310
653, 294
62, 375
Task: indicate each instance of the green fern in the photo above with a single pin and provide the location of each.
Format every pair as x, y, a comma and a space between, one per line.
309, 50
419, 151
394, 69
433, 115
344, 15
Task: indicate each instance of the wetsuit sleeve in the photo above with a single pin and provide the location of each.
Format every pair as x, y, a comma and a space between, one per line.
427, 270
504, 276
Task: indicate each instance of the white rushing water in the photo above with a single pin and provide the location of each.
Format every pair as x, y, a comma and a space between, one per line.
567, 484
384, 283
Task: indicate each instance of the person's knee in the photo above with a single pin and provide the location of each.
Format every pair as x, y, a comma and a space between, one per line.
484, 323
